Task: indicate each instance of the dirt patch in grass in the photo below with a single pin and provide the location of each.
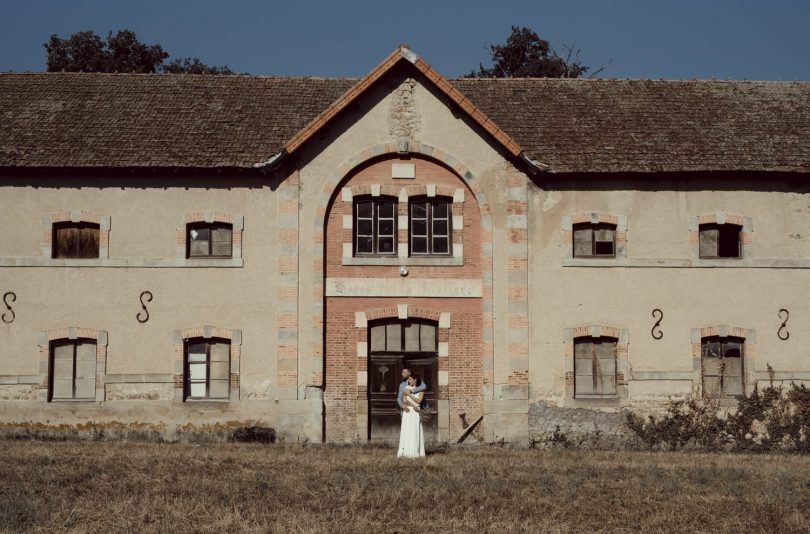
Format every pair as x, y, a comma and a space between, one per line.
115, 486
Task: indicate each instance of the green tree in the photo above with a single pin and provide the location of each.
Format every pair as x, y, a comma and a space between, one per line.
526, 55
122, 52
192, 65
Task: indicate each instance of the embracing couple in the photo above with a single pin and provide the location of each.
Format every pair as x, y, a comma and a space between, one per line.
410, 397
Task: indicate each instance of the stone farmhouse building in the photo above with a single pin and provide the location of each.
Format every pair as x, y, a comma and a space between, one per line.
184, 251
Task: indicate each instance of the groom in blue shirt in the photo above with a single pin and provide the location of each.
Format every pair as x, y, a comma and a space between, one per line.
406, 374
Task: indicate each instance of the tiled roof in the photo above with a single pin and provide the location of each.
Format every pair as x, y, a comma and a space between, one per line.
137, 120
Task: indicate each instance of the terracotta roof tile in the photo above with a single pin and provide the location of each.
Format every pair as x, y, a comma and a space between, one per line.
132, 120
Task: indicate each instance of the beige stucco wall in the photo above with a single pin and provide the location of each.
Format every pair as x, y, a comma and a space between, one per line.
658, 211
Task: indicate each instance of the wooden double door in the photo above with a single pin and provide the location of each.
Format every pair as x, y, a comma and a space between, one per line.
384, 378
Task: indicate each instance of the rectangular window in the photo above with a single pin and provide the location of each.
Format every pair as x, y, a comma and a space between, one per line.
209, 240
592, 240
430, 227
595, 366
720, 240
375, 227
75, 240
722, 366
208, 369
73, 370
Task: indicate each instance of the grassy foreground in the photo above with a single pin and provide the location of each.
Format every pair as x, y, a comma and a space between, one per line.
135, 487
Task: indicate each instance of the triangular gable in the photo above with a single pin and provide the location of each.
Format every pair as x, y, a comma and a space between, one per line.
402, 53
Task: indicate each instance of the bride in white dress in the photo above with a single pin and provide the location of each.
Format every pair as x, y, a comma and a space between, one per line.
411, 437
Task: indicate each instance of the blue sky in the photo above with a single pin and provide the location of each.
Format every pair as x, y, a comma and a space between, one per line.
742, 39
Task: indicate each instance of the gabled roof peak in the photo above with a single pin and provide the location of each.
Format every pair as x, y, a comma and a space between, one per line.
401, 53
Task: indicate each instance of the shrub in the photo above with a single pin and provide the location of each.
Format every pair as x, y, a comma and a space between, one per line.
777, 419
253, 434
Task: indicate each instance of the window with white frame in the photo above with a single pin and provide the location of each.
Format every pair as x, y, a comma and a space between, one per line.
207, 369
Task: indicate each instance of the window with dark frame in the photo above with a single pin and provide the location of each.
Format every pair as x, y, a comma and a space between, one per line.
594, 240
404, 336
722, 366
209, 240
207, 369
72, 370
75, 240
720, 241
430, 227
375, 227
595, 366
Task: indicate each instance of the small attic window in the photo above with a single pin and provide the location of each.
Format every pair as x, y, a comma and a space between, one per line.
720, 241
594, 240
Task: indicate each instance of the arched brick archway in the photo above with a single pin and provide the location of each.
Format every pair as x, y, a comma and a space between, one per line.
330, 192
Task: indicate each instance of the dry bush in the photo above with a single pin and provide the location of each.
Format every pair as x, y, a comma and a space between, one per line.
138, 487
776, 420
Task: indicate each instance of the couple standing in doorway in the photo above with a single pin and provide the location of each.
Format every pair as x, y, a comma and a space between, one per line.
411, 402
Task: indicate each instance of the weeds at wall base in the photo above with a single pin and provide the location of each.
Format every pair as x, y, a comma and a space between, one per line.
231, 431
774, 420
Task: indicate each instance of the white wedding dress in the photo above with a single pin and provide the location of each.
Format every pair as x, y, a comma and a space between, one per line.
411, 437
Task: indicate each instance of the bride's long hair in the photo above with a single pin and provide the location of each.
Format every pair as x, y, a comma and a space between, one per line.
417, 379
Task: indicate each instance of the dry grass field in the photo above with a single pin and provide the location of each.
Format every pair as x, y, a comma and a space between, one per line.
137, 487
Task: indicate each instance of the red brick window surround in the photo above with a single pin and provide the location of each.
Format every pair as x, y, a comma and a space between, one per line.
207, 357
204, 235
73, 363
75, 235
596, 362
594, 235
721, 236
723, 362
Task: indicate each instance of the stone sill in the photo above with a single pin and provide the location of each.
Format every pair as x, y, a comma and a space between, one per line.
124, 262
688, 263
448, 261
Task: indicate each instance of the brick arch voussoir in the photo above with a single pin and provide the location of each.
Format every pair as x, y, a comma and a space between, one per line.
391, 312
